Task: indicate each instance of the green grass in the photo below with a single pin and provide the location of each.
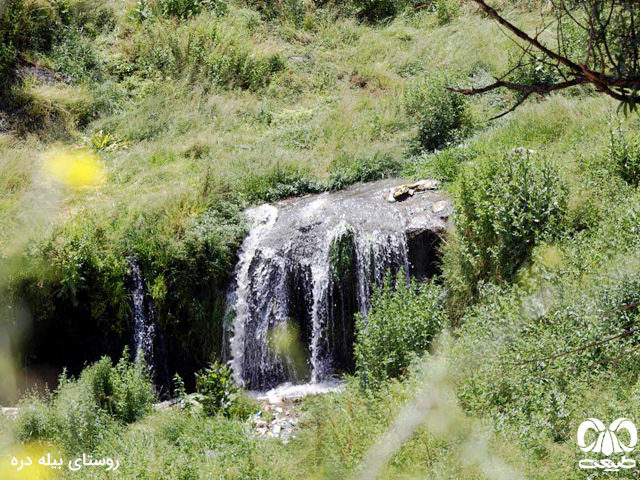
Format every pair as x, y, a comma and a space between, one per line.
196, 118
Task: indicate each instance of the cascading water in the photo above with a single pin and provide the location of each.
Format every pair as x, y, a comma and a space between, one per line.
144, 317
307, 266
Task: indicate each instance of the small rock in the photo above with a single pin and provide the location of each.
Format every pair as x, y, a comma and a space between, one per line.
423, 185
402, 192
296, 59
274, 400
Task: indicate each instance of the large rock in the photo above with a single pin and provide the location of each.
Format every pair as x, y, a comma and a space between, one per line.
314, 261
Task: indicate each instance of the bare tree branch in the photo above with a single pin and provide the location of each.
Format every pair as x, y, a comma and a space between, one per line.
611, 54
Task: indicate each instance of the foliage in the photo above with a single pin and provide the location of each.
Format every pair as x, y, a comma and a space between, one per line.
79, 411
447, 10
189, 8
376, 10
281, 182
399, 328
442, 116
185, 401
215, 384
505, 205
198, 150
624, 154
346, 171
596, 45
74, 56
444, 165
24, 24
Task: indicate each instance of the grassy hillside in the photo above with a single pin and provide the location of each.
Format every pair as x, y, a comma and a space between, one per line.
195, 110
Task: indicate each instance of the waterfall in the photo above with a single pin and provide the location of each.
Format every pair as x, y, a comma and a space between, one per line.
306, 268
248, 282
144, 317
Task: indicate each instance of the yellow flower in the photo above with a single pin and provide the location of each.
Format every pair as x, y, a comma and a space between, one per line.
77, 168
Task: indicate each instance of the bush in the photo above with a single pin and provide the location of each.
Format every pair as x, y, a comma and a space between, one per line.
376, 10
400, 326
189, 8
24, 24
442, 116
447, 10
35, 420
292, 10
86, 17
504, 207
74, 55
80, 411
624, 155
215, 384
236, 66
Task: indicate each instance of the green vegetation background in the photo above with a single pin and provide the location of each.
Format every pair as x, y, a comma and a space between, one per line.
200, 108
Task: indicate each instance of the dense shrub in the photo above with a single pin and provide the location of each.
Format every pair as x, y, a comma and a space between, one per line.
375, 10
442, 116
36, 420
447, 10
75, 57
24, 24
624, 154
292, 10
236, 66
400, 326
188, 8
80, 410
86, 17
504, 206
215, 384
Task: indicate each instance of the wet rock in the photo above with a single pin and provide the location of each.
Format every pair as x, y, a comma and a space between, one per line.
443, 208
402, 192
315, 262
